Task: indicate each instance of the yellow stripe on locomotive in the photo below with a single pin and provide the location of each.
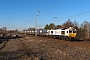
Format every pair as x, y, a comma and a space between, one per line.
72, 35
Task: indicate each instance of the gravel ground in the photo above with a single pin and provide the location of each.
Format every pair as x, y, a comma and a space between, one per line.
36, 48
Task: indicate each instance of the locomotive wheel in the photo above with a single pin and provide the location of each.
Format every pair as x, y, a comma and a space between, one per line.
71, 39
59, 38
66, 38
54, 37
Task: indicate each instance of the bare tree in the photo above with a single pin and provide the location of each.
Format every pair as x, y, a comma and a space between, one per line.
85, 29
67, 24
4, 29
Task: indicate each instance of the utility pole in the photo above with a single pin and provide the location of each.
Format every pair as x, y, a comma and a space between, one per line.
36, 22
25, 26
54, 21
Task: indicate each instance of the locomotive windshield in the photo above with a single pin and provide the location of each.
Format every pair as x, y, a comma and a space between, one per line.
72, 31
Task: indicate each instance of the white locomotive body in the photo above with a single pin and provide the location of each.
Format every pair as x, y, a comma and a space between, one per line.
63, 33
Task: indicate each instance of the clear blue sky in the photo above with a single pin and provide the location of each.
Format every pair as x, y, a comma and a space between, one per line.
14, 13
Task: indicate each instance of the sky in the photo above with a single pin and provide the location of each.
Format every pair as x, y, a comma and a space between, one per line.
21, 14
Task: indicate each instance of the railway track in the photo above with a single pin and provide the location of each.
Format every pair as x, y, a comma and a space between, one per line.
83, 44
3, 44
43, 46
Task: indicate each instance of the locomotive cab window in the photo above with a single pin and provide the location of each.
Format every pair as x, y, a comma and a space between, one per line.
70, 31
67, 31
63, 32
74, 31
52, 32
48, 31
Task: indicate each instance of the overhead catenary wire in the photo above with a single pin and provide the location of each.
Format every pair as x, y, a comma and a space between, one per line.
52, 6
76, 15
53, 3
57, 6
68, 16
